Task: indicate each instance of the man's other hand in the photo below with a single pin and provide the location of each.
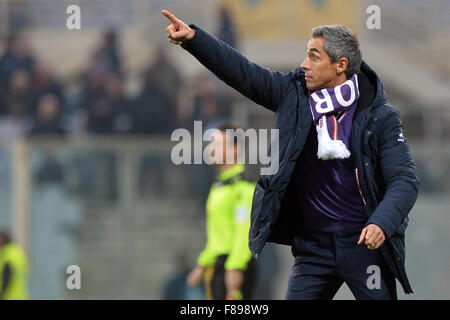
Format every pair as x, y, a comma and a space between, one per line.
372, 236
178, 32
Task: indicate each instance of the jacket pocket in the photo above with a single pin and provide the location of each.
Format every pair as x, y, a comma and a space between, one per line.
359, 186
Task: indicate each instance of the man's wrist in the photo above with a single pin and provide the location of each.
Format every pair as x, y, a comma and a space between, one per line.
192, 39
189, 37
192, 36
379, 226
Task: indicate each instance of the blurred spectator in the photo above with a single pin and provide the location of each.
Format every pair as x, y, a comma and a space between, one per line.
110, 111
100, 118
44, 82
24, 54
108, 53
103, 61
17, 122
206, 108
17, 55
209, 107
93, 87
226, 31
165, 75
8, 62
123, 119
153, 108
18, 98
48, 116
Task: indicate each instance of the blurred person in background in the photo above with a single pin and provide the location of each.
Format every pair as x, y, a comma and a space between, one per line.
111, 112
8, 62
226, 264
154, 108
121, 106
93, 88
166, 75
104, 65
24, 53
108, 53
209, 107
48, 121
13, 270
17, 121
344, 217
17, 54
19, 96
100, 118
226, 31
43, 82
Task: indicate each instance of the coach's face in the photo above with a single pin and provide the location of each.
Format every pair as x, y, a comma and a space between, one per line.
320, 73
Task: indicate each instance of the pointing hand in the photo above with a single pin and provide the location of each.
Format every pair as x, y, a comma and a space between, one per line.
178, 32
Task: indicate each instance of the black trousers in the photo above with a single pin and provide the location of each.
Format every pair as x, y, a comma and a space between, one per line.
325, 260
218, 288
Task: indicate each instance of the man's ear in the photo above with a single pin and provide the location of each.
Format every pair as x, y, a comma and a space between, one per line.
341, 65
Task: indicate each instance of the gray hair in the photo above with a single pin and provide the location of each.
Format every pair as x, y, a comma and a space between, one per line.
340, 42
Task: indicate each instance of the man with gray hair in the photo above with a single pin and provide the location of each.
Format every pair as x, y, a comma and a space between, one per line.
346, 179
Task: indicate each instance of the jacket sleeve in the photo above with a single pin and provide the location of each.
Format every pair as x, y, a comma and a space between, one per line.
399, 175
240, 253
206, 257
263, 86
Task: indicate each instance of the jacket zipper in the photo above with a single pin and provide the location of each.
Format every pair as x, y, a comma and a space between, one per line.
359, 186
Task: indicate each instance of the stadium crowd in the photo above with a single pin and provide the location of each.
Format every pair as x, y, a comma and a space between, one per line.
33, 101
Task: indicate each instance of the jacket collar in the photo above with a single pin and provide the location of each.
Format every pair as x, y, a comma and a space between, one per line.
371, 89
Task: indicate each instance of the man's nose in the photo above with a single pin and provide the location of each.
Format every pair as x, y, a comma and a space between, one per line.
304, 65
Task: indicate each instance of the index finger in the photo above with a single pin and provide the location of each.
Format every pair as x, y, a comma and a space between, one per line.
170, 16
361, 237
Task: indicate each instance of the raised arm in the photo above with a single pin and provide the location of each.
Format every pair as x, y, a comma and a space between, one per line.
263, 86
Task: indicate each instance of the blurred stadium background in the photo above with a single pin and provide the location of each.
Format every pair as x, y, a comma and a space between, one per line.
86, 116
